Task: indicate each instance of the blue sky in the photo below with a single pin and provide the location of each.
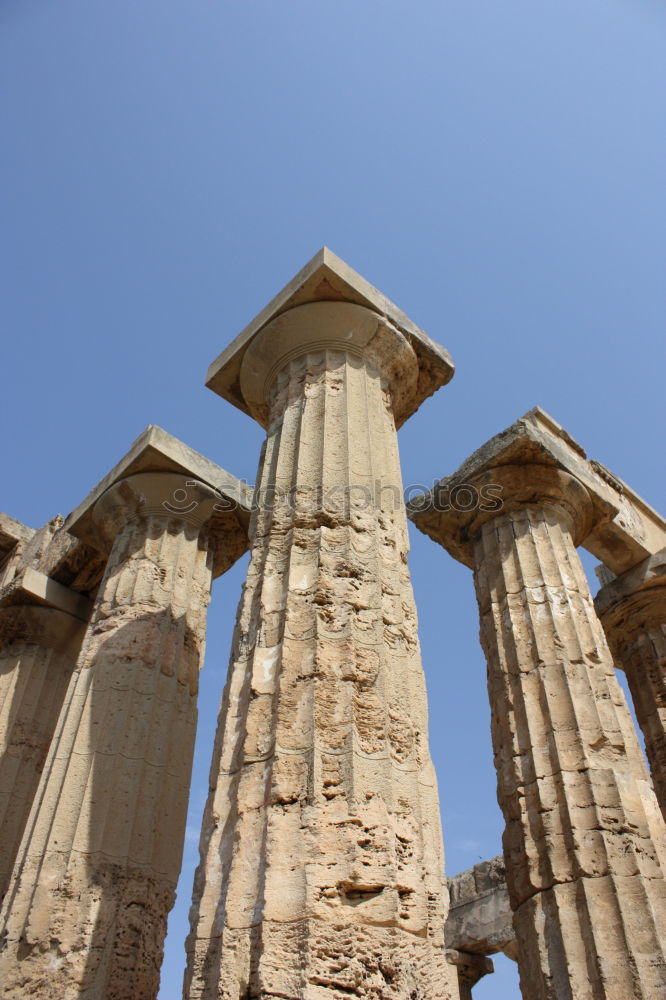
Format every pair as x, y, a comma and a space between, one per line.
496, 168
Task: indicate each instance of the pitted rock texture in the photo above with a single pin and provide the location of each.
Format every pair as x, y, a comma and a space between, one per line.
321, 874
584, 840
95, 879
38, 650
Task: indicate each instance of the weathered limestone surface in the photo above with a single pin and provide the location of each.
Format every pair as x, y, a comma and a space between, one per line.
321, 870
38, 650
632, 609
584, 841
86, 913
480, 915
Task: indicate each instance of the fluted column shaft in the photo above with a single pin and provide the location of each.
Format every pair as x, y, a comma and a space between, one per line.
96, 875
321, 858
634, 617
584, 842
39, 646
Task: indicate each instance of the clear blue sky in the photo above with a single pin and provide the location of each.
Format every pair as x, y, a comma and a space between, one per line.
494, 166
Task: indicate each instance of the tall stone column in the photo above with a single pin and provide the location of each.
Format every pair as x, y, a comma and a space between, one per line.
38, 650
97, 871
584, 843
632, 609
321, 858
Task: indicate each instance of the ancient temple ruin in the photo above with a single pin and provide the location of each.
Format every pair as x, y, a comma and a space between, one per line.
321, 874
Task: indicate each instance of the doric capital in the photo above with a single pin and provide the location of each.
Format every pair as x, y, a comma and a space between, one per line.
41, 626
193, 489
455, 511
169, 496
622, 528
328, 326
328, 305
634, 601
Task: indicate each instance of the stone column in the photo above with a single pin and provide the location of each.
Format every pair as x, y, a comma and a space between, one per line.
470, 969
632, 609
321, 857
38, 650
97, 870
583, 843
